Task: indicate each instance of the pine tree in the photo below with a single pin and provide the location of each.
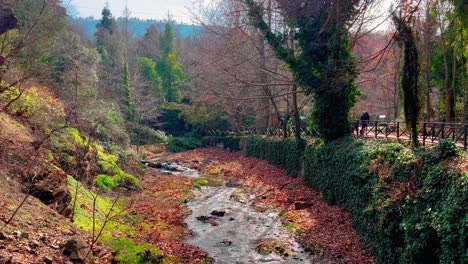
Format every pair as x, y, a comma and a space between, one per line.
107, 21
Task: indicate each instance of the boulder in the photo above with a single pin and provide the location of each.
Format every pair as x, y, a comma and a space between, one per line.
77, 250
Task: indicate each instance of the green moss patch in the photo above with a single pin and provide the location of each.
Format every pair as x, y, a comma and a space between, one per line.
120, 229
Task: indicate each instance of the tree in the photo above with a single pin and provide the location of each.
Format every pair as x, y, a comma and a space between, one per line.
150, 74
410, 70
110, 47
74, 71
25, 48
169, 68
167, 40
323, 62
149, 45
128, 100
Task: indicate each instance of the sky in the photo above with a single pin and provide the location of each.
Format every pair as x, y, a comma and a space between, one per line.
159, 9
145, 9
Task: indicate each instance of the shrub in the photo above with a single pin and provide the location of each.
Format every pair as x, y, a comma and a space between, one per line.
230, 142
105, 182
108, 166
184, 144
42, 108
144, 135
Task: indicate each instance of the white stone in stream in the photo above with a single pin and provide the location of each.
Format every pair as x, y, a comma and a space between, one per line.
243, 232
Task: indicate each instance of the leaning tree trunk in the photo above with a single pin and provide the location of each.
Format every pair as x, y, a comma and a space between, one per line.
409, 80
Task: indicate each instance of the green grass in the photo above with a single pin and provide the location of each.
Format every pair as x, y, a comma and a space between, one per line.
129, 252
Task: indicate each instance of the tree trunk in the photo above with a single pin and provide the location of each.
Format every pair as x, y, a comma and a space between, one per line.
297, 118
427, 32
396, 97
410, 72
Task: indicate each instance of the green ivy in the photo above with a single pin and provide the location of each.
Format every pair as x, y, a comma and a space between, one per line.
409, 206
288, 153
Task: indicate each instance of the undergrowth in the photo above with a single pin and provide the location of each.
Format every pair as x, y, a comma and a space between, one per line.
73, 153
181, 144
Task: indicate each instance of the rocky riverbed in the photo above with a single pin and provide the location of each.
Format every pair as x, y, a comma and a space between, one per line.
226, 224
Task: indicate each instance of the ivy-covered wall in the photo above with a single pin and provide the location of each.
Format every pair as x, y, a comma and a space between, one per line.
408, 206
287, 153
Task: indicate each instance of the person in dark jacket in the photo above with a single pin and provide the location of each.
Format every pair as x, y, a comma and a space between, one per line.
365, 118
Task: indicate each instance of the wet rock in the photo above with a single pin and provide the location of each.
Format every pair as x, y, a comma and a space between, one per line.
233, 183
219, 213
269, 246
77, 250
155, 165
238, 196
226, 243
208, 220
234, 241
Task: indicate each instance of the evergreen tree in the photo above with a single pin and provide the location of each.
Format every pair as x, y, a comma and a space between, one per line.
150, 74
169, 68
167, 40
128, 101
108, 40
107, 21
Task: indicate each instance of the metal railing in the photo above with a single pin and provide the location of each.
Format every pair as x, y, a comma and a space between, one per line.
429, 132
273, 132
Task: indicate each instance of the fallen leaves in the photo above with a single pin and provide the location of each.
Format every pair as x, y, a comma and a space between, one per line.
162, 211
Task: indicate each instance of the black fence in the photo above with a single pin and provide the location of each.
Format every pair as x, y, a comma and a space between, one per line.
271, 132
429, 132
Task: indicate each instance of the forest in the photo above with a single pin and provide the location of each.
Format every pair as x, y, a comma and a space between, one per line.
281, 131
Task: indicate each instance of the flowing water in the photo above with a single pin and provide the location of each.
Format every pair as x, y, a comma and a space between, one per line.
226, 225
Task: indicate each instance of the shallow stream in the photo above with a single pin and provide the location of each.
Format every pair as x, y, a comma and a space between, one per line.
226, 225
